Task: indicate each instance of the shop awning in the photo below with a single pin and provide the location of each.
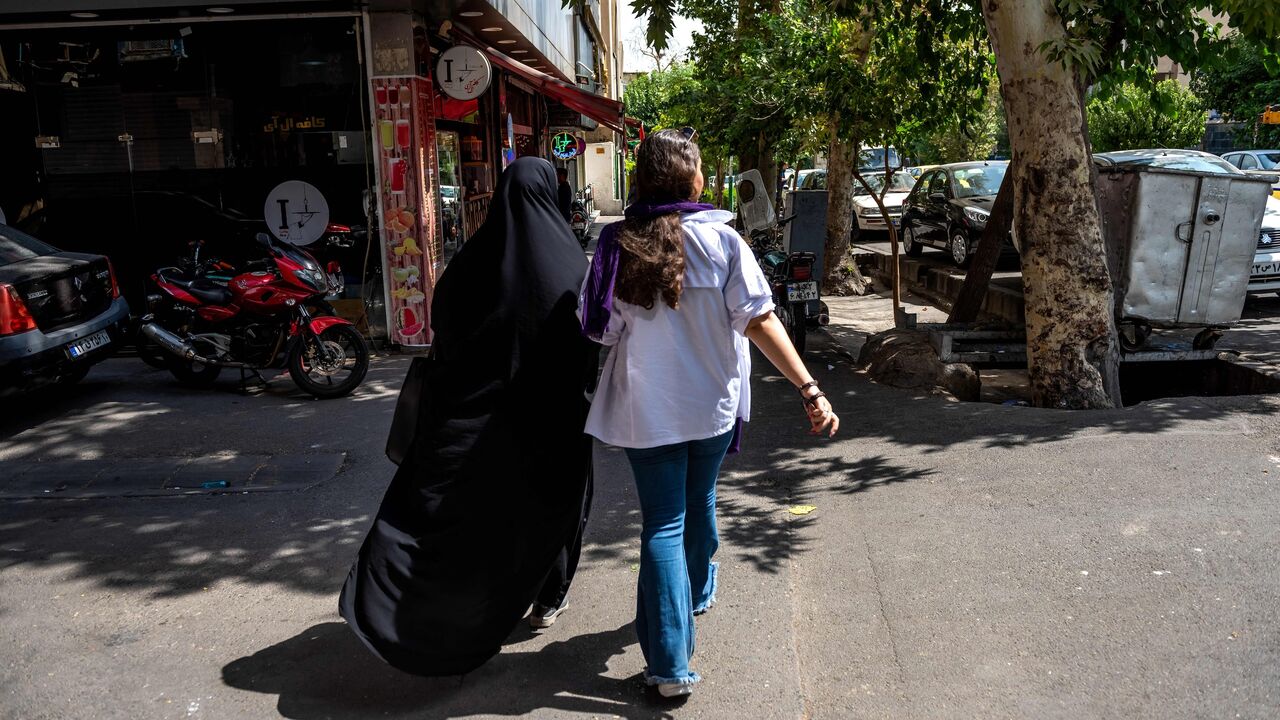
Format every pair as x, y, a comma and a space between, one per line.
601, 109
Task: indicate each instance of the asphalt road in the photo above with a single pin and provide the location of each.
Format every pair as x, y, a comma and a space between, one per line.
937, 560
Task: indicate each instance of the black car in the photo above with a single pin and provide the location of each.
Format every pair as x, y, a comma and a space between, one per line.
949, 207
60, 312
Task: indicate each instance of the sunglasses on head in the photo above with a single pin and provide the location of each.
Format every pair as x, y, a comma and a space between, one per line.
688, 133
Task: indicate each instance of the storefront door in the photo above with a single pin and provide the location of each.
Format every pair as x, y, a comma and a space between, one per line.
449, 155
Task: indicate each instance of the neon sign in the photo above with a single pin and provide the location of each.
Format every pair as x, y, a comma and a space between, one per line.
564, 146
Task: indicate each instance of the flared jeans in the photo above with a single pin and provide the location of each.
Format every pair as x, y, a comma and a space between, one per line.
677, 489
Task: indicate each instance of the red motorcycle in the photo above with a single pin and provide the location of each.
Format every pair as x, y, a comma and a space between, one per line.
259, 319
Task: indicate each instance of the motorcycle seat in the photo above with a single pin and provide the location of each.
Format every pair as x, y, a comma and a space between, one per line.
206, 291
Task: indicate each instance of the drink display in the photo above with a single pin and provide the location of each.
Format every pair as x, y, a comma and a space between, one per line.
397, 169
386, 134
403, 135
405, 146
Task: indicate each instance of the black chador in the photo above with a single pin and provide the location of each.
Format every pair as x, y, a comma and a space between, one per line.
487, 510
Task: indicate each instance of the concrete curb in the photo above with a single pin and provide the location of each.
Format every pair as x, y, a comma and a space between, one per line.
942, 287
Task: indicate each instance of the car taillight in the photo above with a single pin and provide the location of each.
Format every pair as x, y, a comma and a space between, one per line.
115, 286
333, 268
336, 228
14, 317
801, 272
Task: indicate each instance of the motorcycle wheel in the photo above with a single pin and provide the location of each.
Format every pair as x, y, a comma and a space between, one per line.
798, 328
326, 379
193, 374
151, 353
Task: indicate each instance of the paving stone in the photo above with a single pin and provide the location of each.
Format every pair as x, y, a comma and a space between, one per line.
158, 477
292, 472
234, 470
134, 477
46, 479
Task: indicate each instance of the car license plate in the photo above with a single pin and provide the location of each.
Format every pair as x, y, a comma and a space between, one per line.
93, 342
1266, 269
802, 291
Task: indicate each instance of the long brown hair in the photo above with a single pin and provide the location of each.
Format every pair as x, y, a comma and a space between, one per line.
651, 261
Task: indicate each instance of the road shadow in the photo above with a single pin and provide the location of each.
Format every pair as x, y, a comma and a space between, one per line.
324, 673
306, 541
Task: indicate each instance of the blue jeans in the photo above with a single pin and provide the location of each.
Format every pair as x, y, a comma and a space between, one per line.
677, 488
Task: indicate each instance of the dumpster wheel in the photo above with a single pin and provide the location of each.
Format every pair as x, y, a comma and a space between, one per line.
1206, 339
1133, 335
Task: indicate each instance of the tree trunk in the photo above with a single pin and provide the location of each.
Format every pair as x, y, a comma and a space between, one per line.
841, 275
719, 182
974, 290
768, 165
1071, 334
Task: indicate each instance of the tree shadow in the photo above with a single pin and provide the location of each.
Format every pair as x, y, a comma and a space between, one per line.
167, 547
324, 673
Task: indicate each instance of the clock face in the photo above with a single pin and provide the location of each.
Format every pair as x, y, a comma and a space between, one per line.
463, 72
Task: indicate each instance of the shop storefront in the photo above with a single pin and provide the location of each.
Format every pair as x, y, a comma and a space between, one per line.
135, 140
139, 134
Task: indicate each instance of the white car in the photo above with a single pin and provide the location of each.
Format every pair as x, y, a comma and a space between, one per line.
865, 212
1258, 162
869, 215
1265, 276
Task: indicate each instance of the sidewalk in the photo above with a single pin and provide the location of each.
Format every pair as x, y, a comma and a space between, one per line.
936, 560
960, 561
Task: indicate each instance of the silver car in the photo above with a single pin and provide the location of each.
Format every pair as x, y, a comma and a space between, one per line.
60, 312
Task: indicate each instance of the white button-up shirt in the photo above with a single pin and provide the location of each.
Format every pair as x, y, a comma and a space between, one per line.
674, 376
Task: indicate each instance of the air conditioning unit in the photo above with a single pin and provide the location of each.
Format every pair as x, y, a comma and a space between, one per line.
142, 50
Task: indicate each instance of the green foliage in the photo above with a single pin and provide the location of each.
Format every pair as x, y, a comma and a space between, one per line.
1131, 117
669, 98
960, 138
1241, 87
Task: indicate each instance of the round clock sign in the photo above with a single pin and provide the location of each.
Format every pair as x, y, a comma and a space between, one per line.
463, 72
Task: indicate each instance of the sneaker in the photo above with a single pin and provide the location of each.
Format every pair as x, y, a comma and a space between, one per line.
544, 617
671, 690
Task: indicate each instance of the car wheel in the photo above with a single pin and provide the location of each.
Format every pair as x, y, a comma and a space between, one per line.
909, 244
958, 248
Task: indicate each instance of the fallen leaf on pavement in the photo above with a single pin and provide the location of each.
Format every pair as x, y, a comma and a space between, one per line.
801, 509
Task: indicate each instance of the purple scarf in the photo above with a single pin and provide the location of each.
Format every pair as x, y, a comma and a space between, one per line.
597, 305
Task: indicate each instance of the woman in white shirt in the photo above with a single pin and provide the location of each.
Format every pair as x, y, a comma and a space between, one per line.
676, 294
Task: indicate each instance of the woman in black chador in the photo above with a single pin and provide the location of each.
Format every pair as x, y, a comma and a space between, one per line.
485, 516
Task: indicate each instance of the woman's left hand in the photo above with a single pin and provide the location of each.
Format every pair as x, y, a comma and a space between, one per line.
822, 418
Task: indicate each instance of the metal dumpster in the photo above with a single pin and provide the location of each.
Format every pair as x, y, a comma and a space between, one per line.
1180, 244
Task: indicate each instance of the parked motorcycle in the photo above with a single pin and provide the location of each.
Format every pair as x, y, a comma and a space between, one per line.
192, 266
258, 319
580, 221
794, 286
791, 277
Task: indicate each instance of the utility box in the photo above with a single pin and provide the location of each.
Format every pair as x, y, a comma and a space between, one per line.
1180, 244
807, 231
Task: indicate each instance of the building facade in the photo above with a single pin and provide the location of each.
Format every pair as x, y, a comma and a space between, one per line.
133, 128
